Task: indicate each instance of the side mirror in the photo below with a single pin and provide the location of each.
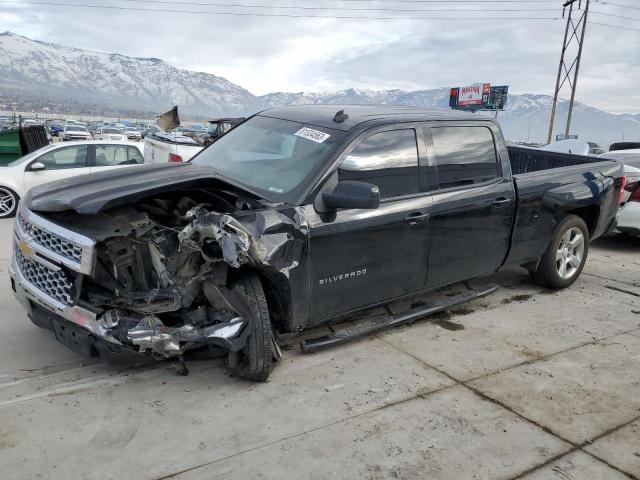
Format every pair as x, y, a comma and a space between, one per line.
352, 194
37, 166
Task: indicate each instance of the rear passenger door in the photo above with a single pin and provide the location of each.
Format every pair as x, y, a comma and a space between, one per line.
110, 156
473, 203
364, 257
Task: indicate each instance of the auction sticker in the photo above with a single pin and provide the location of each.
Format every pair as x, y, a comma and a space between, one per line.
311, 134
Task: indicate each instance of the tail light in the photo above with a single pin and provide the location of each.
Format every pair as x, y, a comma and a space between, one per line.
173, 157
634, 189
623, 186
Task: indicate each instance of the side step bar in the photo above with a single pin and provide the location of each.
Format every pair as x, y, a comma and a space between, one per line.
358, 330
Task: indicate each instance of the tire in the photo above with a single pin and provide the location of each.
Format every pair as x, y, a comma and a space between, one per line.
8, 202
253, 362
564, 259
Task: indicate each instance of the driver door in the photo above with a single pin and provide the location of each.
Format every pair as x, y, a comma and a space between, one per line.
61, 163
365, 257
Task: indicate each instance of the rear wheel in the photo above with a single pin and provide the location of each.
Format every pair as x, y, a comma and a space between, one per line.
8, 202
253, 362
566, 255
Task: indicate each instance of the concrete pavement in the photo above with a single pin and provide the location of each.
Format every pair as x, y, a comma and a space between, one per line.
526, 383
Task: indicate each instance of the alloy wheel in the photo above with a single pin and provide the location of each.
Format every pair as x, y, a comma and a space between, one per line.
570, 253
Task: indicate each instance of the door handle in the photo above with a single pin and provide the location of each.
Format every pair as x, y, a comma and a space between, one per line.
501, 202
416, 218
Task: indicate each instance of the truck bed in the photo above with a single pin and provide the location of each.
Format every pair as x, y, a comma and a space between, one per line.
527, 160
560, 183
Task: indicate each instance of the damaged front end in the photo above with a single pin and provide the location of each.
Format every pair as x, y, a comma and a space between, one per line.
166, 272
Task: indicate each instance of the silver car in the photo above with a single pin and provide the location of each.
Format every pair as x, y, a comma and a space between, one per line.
75, 132
133, 133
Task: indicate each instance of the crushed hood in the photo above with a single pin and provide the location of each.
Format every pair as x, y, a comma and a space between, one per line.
99, 191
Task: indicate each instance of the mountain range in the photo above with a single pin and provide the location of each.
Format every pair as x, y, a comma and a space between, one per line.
46, 71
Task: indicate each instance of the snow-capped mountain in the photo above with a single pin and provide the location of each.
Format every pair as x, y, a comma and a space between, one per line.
45, 71
55, 72
525, 117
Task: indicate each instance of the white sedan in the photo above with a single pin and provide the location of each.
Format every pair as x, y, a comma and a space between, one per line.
74, 132
58, 161
110, 133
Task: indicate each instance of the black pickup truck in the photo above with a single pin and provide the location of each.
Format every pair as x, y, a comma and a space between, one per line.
296, 218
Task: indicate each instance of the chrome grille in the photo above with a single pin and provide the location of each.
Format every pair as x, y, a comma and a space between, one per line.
53, 283
50, 241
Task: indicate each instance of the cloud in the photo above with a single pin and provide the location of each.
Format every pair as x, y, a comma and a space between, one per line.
266, 54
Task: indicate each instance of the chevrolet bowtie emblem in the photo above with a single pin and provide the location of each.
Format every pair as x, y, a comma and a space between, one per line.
24, 247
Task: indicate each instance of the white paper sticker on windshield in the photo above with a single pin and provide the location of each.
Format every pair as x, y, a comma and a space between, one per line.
311, 134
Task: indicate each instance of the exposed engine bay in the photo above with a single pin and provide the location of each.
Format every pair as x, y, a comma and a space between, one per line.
167, 268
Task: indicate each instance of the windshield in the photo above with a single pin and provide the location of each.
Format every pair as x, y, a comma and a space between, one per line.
111, 130
75, 128
270, 155
129, 129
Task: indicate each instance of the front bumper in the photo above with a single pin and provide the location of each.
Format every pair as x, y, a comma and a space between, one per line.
46, 281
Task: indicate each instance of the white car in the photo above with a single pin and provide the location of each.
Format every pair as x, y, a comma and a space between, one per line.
133, 133
163, 147
110, 133
58, 161
628, 217
75, 132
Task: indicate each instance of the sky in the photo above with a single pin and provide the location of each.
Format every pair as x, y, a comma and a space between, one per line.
276, 53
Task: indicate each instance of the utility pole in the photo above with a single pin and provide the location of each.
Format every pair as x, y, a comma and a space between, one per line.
574, 66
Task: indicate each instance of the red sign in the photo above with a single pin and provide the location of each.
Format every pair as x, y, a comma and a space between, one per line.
473, 94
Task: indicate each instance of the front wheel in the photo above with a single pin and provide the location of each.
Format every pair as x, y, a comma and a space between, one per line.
8, 202
253, 362
566, 255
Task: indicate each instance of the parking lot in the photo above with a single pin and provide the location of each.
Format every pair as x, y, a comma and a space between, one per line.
527, 383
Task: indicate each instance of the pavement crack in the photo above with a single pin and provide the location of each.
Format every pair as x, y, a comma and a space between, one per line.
622, 290
611, 279
548, 430
418, 395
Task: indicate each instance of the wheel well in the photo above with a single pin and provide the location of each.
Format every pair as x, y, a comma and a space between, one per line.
589, 214
278, 295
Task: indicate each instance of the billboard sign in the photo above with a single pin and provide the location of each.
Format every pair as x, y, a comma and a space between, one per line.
474, 95
479, 97
498, 97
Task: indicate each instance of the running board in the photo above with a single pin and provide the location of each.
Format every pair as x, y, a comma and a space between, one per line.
358, 330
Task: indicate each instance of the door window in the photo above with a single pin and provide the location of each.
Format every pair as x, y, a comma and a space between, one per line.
386, 159
111, 155
464, 155
134, 156
69, 157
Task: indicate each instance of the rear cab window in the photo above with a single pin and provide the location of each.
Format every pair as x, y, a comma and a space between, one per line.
386, 159
464, 156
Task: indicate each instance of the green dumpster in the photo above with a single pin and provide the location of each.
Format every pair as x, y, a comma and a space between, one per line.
19, 141
10, 149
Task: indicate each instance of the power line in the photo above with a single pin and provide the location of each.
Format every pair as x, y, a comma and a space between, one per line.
263, 14
451, 1
614, 26
618, 16
354, 9
605, 2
